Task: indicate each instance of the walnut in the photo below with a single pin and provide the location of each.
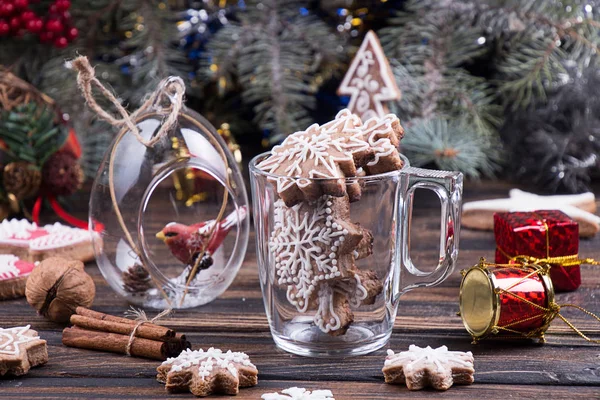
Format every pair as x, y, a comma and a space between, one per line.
57, 286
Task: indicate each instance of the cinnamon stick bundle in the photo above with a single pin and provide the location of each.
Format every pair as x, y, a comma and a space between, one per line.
98, 331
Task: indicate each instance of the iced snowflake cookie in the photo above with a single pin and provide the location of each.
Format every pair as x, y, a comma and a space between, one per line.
296, 393
13, 276
30, 242
315, 154
315, 247
21, 349
208, 372
313, 243
336, 300
420, 367
383, 135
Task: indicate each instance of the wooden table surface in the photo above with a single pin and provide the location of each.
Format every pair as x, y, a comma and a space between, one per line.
565, 367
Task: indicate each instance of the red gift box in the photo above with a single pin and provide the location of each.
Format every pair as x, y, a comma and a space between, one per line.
543, 234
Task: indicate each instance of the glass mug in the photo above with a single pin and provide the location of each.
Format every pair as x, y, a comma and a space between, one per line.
384, 209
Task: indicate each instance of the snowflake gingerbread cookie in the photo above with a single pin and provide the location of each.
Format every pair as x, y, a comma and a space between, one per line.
13, 276
208, 372
30, 242
315, 247
314, 154
419, 367
336, 300
382, 136
21, 349
296, 393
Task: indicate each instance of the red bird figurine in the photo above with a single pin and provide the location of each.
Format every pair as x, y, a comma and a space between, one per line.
186, 242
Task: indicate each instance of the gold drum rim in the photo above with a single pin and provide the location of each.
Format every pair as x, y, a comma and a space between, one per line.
478, 302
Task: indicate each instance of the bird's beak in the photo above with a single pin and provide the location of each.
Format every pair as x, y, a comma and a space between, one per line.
160, 235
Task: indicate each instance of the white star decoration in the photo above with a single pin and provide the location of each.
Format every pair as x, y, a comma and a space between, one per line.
580, 207
11, 338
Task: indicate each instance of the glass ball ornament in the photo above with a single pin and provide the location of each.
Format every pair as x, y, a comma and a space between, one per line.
173, 216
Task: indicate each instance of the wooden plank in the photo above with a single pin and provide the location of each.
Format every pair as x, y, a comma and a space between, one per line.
148, 388
427, 316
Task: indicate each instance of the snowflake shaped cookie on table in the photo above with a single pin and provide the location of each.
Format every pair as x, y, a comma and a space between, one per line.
313, 243
21, 349
419, 367
296, 393
207, 372
314, 154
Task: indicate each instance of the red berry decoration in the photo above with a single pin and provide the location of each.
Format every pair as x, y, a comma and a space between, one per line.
6, 9
61, 42
72, 33
35, 25
63, 5
21, 4
54, 25
15, 23
4, 28
27, 15
16, 17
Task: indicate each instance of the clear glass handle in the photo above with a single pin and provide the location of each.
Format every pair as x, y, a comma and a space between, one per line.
448, 186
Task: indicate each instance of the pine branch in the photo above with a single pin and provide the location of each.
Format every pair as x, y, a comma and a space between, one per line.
450, 146
273, 56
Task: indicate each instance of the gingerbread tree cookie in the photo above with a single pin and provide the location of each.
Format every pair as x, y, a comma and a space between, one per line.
21, 349
208, 372
419, 367
369, 80
314, 154
313, 243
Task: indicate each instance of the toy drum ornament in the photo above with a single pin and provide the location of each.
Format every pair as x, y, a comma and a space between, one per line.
507, 300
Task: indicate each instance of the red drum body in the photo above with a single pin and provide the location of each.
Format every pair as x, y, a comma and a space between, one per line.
506, 300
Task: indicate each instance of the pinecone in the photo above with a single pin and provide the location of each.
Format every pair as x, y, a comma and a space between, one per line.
136, 280
62, 174
22, 179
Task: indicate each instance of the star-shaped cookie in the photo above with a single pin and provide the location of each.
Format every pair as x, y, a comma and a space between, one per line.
312, 243
336, 299
208, 372
420, 367
21, 349
314, 154
383, 136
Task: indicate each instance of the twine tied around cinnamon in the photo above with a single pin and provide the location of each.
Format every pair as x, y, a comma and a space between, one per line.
171, 92
140, 316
